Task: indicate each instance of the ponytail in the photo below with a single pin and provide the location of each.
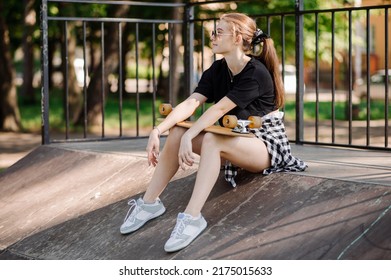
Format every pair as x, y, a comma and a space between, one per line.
269, 57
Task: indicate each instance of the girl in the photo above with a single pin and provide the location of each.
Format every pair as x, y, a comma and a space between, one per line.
238, 84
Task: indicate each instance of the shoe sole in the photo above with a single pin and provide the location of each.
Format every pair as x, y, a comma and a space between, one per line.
157, 214
187, 243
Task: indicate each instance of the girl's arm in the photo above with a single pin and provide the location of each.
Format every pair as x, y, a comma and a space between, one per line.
185, 155
181, 112
211, 116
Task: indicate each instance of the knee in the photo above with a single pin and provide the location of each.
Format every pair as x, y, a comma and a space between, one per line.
175, 135
210, 140
176, 132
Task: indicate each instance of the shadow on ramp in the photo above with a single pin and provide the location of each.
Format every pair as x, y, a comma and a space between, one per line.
52, 185
280, 216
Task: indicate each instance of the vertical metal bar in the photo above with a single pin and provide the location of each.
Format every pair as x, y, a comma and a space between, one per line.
350, 67
317, 77
299, 70
153, 74
66, 80
45, 74
189, 48
368, 99
102, 42
283, 49
120, 78
283, 46
170, 63
214, 28
85, 81
386, 111
202, 58
333, 77
202, 49
137, 78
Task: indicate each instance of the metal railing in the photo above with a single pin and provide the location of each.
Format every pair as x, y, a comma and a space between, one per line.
319, 84
103, 21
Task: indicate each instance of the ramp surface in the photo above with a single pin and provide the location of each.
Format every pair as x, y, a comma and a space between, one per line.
67, 202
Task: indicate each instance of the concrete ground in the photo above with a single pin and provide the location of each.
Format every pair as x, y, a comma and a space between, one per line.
67, 201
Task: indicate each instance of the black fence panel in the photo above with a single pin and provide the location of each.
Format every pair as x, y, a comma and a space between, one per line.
334, 63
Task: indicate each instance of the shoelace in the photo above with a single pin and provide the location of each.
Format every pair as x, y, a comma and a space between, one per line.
133, 205
179, 227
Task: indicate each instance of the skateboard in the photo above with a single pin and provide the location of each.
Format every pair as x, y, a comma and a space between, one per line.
231, 125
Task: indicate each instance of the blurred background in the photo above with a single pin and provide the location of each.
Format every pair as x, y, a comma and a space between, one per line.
106, 79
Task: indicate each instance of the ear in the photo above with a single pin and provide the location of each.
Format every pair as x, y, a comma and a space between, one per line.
238, 39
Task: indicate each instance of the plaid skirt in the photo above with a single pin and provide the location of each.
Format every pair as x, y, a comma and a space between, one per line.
272, 133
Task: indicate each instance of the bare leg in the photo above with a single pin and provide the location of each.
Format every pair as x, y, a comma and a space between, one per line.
248, 153
168, 163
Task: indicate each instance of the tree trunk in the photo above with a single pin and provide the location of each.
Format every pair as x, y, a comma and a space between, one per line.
94, 96
75, 97
28, 47
9, 110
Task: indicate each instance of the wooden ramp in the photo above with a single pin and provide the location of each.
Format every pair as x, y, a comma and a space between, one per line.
68, 204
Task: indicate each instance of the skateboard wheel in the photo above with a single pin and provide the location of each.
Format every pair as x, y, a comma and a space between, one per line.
230, 121
165, 109
256, 122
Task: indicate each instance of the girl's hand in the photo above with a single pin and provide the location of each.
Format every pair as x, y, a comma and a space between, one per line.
153, 148
185, 154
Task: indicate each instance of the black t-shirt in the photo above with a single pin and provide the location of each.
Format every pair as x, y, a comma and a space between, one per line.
252, 90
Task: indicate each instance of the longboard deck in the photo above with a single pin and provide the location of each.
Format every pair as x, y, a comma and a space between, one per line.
217, 129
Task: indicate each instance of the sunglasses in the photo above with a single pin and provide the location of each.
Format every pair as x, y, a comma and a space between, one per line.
217, 34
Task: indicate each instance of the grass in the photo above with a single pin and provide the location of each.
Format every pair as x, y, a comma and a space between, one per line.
31, 112
377, 109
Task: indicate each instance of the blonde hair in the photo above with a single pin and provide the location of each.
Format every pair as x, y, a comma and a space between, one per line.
246, 26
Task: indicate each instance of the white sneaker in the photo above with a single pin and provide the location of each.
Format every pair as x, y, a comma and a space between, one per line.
142, 213
186, 230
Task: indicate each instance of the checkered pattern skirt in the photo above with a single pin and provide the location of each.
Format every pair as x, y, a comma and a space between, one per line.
272, 133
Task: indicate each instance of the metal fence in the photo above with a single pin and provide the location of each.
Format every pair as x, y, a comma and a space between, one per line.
329, 57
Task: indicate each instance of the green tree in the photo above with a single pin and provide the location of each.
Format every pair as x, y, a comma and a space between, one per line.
9, 110
29, 23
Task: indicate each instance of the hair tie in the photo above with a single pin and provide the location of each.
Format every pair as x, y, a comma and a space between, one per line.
259, 36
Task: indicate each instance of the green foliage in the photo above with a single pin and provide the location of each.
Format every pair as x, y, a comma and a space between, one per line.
31, 118
377, 109
31, 112
14, 9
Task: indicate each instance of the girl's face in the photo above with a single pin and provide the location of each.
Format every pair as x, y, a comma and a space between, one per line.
223, 39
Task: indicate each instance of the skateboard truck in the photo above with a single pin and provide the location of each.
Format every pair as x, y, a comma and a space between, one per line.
242, 126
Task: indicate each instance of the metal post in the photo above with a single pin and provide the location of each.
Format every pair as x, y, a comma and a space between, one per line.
387, 73
189, 49
153, 74
137, 79
45, 74
171, 49
333, 77
66, 80
120, 77
317, 77
85, 96
368, 99
102, 43
350, 69
299, 7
